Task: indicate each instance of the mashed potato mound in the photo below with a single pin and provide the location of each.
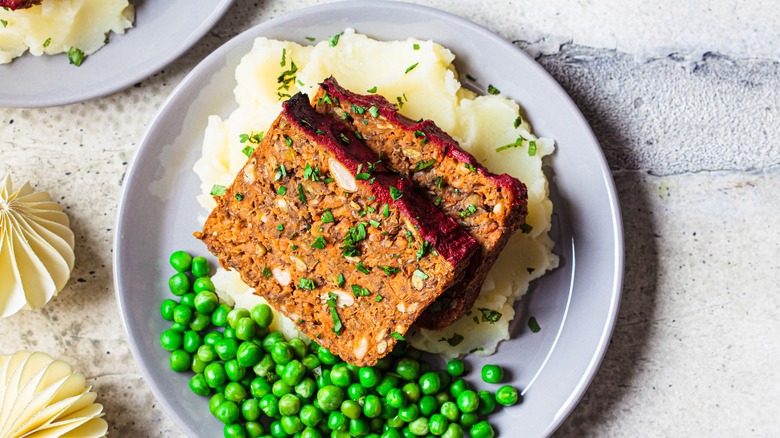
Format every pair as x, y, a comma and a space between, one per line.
55, 26
429, 90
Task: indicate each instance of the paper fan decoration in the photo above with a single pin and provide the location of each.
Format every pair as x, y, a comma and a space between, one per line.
36, 248
42, 397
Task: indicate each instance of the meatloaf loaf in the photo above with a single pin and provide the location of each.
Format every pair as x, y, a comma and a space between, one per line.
348, 250
491, 207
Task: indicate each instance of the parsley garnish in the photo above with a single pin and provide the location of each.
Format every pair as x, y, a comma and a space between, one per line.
283, 62
468, 211
311, 173
372, 89
47, 42
424, 249
395, 193
454, 340
282, 190
390, 270
319, 243
533, 325
327, 217
287, 140
531, 148
337, 326
306, 283
362, 268
437, 201
344, 137
416, 46
254, 137
470, 167
76, 56
373, 110
334, 40
239, 197
357, 109
266, 271
411, 67
490, 315
518, 122
360, 291
301, 196
525, 228
354, 235
422, 165
5, 24
280, 227
280, 172
493, 90
398, 336
386, 210
248, 151
340, 280
378, 298
218, 190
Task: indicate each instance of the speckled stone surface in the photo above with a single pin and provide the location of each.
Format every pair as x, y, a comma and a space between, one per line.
685, 100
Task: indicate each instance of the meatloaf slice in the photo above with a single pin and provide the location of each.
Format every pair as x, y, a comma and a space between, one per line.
348, 250
491, 207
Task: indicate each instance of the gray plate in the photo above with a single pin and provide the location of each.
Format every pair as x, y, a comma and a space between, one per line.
162, 31
576, 305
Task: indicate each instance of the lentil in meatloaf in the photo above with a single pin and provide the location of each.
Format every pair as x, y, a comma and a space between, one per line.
345, 248
491, 207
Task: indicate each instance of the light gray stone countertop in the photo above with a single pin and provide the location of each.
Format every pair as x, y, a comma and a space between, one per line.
684, 98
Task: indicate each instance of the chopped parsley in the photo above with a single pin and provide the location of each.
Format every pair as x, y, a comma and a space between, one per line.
282, 190
389, 270
490, 315
354, 235
239, 197
306, 283
344, 137
248, 151
76, 56
372, 89
334, 314
327, 217
518, 122
254, 137
360, 291
378, 298
470, 167
287, 140
266, 271
398, 336
319, 243
493, 90
471, 209
312, 174
47, 42
424, 249
395, 193
525, 228
340, 280
533, 324
422, 165
531, 148
5, 24
411, 67
437, 201
283, 62
301, 196
357, 109
373, 110
362, 268
333, 40
218, 190
280, 227
386, 210
454, 340
281, 171
416, 46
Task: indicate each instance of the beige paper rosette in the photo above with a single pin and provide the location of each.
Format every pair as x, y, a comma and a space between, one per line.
36, 248
42, 397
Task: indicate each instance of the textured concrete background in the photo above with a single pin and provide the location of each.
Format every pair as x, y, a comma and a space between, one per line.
685, 100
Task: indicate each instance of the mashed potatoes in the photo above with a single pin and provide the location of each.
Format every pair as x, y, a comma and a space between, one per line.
419, 77
56, 26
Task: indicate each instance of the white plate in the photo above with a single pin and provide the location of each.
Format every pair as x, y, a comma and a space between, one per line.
162, 31
576, 305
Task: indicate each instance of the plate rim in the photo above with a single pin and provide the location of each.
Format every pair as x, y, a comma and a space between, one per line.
122, 82
617, 251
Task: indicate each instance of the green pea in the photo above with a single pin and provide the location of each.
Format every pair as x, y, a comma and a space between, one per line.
250, 409
487, 402
272, 339
338, 421
419, 426
359, 427
166, 309
235, 392
180, 360
248, 354
171, 340
203, 283
388, 382
310, 415
211, 338
468, 419
265, 366
369, 376
372, 406
215, 375
428, 405
280, 388
216, 400
438, 424
450, 410
226, 348
292, 425
408, 369
188, 300
234, 430
254, 429
289, 404
180, 260
412, 391
388, 411
200, 266
269, 404
468, 401
192, 341
199, 321
458, 386
259, 387
444, 378
454, 430
492, 374
483, 429
182, 314
282, 353
298, 346
306, 388
229, 332
455, 367
311, 362
179, 284
245, 329
235, 315
340, 375
227, 412
326, 357
351, 409
330, 397
409, 413
391, 433
396, 398
276, 429
262, 314
356, 391
293, 372
219, 317
310, 432
430, 383
324, 378
179, 327
199, 386
442, 397
197, 366
206, 301
507, 395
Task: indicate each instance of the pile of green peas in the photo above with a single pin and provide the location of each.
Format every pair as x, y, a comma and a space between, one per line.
261, 384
